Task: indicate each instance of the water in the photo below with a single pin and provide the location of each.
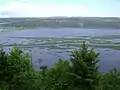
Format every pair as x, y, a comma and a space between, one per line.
47, 45
60, 32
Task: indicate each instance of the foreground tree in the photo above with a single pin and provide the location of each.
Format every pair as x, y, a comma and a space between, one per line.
84, 68
15, 70
79, 72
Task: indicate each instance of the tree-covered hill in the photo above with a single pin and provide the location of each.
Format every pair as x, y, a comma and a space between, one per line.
57, 22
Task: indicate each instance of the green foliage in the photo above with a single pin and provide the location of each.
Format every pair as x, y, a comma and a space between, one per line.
110, 81
14, 69
80, 72
84, 68
59, 75
54, 78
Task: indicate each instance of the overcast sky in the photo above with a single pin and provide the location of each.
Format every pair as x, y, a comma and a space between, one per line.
47, 8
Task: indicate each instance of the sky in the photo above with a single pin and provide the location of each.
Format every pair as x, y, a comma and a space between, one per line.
67, 8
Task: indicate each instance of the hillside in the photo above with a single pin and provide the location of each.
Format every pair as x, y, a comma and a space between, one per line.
57, 22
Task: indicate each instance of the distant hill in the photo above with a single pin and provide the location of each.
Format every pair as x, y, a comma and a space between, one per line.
57, 22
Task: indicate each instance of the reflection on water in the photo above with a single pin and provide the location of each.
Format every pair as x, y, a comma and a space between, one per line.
47, 45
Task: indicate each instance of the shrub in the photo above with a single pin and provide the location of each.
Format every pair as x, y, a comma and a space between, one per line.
110, 81
54, 78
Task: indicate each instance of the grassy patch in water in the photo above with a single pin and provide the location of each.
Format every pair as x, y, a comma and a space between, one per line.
67, 43
93, 41
106, 37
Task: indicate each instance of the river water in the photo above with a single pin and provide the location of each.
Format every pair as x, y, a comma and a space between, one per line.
46, 45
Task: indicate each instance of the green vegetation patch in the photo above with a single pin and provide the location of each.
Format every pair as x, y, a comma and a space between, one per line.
79, 72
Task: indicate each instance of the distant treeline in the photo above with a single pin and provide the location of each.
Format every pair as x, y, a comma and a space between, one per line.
56, 22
